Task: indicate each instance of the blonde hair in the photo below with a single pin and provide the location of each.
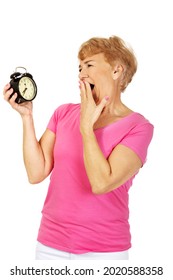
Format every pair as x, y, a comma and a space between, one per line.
115, 50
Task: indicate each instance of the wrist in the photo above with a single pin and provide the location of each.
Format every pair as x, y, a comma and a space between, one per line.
27, 118
87, 135
87, 131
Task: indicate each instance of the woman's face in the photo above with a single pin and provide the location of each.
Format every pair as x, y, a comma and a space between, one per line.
98, 72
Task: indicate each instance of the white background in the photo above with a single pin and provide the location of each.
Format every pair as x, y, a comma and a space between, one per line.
44, 37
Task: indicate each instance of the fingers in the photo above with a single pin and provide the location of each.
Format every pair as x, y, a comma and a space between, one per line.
88, 90
5, 90
12, 99
85, 91
82, 90
102, 104
7, 86
9, 95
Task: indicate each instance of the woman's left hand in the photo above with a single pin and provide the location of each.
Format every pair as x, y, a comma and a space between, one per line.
90, 112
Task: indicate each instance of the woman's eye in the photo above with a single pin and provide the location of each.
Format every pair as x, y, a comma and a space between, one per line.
88, 65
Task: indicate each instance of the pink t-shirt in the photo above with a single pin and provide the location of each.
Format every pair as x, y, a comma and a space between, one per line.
73, 218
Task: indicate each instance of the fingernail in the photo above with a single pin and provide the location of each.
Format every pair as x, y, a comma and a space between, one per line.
107, 97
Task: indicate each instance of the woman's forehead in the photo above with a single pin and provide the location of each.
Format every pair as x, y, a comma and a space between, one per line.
93, 58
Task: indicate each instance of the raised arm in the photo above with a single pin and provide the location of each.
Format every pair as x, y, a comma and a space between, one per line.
38, 155
104, 174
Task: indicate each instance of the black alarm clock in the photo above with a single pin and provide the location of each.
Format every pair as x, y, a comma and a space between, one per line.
24, 85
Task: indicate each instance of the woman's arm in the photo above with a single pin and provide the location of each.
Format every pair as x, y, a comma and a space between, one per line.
104, 174
38, 155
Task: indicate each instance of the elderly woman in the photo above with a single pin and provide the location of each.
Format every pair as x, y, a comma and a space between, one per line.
93, 151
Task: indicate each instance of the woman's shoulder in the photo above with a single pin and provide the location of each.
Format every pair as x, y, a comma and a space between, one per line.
67, 107
140, 118
63, 112
141, 124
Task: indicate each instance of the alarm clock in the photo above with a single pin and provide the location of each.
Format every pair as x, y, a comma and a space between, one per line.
24, 85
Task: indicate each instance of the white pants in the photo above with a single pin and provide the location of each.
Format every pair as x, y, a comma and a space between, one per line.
47, 253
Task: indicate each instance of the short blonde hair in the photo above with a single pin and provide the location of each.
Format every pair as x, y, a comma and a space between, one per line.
115, 50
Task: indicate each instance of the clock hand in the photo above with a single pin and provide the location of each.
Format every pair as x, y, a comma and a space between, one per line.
24, 91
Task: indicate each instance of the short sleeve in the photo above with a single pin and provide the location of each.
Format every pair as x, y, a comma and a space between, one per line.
138, 139
52, 122
58, 114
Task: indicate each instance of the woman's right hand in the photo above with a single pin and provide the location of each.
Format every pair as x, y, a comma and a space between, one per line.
23, 109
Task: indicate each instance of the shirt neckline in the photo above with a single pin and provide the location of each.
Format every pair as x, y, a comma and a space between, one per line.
116, 122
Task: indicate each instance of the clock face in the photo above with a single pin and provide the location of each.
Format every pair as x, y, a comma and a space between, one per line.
27, 88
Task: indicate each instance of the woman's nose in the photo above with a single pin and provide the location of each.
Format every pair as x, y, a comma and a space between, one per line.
83, 74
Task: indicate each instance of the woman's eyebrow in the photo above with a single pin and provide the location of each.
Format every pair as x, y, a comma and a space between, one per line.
88, 61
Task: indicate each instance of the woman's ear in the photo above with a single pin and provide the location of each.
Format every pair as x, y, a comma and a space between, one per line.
117, 71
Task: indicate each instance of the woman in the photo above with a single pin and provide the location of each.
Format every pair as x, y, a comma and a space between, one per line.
93, 150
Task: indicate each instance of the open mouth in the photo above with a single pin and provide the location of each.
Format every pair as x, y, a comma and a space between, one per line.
92, 86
